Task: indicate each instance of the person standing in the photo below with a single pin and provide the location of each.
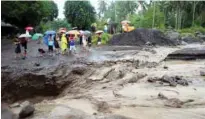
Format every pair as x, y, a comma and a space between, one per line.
18, 48
89, 41
50, 44
72, 45
56, 44
84, 40
24, 42
64, 44
105, 28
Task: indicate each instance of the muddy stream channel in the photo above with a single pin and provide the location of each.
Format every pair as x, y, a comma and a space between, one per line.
109, 82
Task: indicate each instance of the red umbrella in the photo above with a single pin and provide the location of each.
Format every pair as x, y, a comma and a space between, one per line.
29, 28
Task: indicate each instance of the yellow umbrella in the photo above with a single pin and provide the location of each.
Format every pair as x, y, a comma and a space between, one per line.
125, 22
74, 32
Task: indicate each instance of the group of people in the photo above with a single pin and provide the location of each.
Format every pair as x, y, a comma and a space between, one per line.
60, 43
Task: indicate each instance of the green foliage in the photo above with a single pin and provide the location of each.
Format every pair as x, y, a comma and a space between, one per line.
145, 20
105, 38
192, 30
50, 9
100, 24
80, 14
53, 25
23, 13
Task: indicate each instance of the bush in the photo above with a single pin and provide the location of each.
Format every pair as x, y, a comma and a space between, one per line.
105, 38
192, 30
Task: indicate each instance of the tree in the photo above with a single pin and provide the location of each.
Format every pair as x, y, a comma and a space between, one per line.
50, 9
145, 20
125, 8
23, 13
110, 12
102, 7
80, 14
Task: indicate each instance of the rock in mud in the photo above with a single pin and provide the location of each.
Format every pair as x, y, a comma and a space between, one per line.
173, 35
165, 67
153, 79
162, 96
103, 107
100, 74
115, 74
187, 54
6, 112
78, 70
136, 78
171, 80
174, 102
26, 110
202, 73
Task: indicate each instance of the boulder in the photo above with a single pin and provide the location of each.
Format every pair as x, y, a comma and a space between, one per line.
26, 110
202, 37
174, 102
202, 73
173, 35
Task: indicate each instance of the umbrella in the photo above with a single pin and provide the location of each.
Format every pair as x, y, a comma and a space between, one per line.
81, 32
24, 36
125, 22
75, 32
29, 28
39, 34
46, 38
87, 33
50, 32
99, 31
36, 36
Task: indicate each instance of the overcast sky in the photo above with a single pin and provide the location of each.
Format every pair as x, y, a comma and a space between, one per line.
61, 3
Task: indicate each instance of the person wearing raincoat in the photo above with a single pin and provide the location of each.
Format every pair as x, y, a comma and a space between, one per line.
64, 44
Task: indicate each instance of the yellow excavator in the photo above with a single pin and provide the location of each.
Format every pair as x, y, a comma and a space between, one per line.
126, 26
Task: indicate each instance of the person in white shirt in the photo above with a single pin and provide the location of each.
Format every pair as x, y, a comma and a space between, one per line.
105, 28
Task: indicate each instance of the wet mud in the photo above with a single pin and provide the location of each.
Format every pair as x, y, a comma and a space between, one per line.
108, 82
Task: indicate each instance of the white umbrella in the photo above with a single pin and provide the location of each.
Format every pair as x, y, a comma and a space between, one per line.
24, 36
99, 31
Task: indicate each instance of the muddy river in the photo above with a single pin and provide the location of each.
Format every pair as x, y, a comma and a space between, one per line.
116, 83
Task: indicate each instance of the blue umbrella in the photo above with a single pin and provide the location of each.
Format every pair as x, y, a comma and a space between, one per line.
46, 37
50, 32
